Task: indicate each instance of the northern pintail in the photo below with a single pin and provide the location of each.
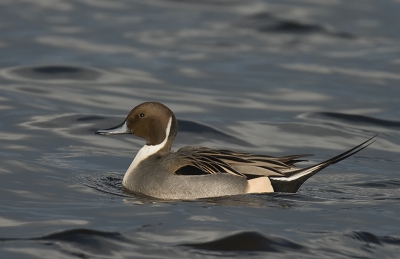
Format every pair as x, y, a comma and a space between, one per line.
198, 172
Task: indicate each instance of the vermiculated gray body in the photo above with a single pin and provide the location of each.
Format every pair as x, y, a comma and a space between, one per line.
149, 178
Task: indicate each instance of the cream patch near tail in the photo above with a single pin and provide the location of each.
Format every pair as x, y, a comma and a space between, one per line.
259, 185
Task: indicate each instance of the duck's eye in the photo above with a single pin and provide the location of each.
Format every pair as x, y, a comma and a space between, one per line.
141, 115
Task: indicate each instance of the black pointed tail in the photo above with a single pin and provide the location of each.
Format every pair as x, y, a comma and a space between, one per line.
292, 181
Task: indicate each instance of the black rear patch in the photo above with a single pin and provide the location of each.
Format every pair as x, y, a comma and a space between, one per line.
189, 170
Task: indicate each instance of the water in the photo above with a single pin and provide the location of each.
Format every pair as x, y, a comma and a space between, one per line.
267, 77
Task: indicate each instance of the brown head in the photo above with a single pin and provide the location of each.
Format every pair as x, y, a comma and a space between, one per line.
151, 121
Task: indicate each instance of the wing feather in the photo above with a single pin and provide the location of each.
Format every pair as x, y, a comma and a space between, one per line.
211, 161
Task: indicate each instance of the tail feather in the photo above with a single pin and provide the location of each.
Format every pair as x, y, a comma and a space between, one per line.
292, 181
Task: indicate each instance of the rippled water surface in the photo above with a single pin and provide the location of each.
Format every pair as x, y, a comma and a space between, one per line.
269, 77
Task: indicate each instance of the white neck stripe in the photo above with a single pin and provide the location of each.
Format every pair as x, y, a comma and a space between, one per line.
146, 151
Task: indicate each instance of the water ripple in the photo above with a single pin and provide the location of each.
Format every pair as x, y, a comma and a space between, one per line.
380, 184
52, 73
249, 241
355, 119
266, 22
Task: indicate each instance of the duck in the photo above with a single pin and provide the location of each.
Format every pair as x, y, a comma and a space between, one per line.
194, 172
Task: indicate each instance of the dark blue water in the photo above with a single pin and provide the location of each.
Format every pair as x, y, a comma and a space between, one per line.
268, 77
